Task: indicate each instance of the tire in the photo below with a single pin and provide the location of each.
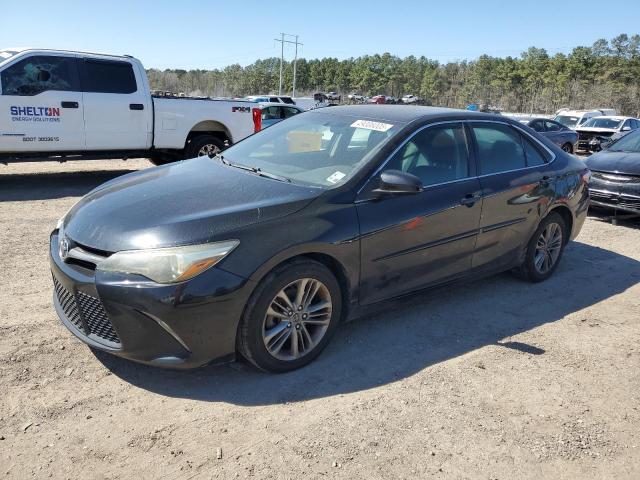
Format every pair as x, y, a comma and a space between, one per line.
199, 145
260, 334
567, 147
530, 269
158, 161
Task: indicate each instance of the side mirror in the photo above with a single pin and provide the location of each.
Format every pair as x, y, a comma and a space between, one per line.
626, 128
395, 182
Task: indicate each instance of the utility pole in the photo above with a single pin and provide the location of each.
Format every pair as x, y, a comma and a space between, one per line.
295, 62
281, 60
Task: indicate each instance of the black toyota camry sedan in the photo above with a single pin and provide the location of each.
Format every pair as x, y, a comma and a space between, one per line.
262, 251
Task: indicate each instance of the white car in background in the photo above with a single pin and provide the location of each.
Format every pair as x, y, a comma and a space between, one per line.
597, 132
272, 113
575, 118
271, 99
410, 99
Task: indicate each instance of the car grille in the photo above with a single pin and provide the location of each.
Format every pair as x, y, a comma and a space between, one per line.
616, 177
90, 309
68, 304
616, 200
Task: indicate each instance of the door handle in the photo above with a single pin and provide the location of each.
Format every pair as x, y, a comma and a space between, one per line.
469, 199
136, 106
69, 104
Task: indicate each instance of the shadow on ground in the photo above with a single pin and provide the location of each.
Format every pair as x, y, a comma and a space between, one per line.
409, 335
618, 218
47, 186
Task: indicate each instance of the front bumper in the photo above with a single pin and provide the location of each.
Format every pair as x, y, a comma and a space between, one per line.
615, 191
183, 325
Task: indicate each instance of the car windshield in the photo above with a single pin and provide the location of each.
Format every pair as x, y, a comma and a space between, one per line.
629, 143
567, 121
602, 123
314, 148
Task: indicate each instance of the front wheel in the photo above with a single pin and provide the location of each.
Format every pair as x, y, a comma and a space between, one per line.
203, 145
544, 250
290, 317
567, 147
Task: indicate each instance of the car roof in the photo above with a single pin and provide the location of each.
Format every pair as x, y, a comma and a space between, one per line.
280, 104
405, 113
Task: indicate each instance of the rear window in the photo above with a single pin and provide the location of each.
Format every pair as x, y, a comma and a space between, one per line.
100, 76
602, 123
567, 121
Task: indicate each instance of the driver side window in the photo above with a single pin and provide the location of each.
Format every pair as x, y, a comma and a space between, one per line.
40, 73
436, 155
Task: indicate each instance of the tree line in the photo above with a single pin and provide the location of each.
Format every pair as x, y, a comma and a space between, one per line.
605, 74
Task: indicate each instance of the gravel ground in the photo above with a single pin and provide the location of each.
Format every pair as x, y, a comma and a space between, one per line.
494, 379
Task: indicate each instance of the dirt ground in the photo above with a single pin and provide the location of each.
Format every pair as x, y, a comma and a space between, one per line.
498, 379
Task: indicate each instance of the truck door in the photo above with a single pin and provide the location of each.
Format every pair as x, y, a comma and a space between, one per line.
117, 110
41, 105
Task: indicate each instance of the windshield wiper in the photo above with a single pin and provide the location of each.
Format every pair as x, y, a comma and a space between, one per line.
222, 159
273, 176
255, 170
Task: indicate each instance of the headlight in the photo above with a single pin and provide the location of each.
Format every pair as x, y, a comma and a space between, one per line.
169, 265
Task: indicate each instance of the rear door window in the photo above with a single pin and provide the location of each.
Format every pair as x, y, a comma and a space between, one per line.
537, 125
552, 126
499, 148
40, 73
106, 76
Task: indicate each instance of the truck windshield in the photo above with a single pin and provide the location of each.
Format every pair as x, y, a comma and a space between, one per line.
567, 121
6, 54
314, 148
602, 123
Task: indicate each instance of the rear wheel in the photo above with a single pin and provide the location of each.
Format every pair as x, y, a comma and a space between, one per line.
203, 145
545, 249
567, 147
290, 317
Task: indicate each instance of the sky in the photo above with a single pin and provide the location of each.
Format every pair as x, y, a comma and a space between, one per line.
212, 34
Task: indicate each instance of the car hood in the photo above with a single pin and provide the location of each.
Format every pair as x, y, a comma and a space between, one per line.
615, 162
191, 202
596, 130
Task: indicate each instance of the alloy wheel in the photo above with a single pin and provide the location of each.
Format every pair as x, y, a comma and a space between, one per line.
297, 319
209, 149
548, 248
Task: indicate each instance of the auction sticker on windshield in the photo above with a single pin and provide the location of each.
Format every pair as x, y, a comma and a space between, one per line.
371, 125
336, 177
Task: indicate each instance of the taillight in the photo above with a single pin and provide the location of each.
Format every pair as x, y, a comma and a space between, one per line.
257, 119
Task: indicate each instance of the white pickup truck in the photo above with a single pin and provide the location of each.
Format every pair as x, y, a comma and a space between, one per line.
66, 105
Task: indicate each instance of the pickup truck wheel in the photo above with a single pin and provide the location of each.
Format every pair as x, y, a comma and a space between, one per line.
203, 145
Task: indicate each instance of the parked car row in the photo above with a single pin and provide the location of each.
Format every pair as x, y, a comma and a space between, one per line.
592, 133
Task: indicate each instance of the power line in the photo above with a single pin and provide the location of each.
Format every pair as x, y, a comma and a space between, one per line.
295, 62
